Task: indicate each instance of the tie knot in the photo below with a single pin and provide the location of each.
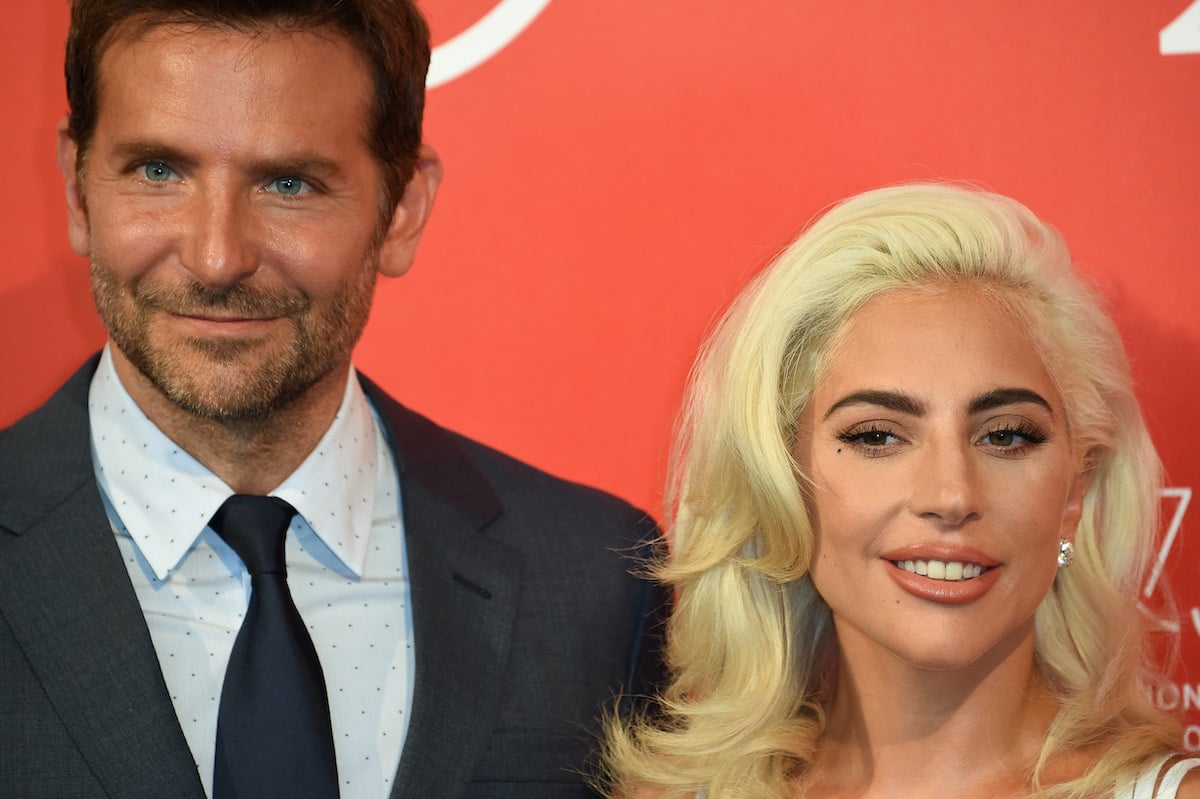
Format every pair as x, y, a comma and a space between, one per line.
255, 528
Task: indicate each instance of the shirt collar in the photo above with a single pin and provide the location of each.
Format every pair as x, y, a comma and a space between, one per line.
164, 497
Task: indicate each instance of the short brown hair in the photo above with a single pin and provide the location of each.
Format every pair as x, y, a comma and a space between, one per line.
390, 34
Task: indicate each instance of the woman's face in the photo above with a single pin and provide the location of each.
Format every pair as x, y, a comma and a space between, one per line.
942, 480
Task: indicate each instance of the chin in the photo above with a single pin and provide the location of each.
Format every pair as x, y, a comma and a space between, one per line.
230, 383
954, 650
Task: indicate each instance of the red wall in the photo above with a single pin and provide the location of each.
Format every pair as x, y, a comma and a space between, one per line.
619, 169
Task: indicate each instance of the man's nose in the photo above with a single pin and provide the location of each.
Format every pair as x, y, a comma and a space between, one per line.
945, 488
220, 249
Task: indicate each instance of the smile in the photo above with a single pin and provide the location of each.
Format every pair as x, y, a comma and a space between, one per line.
950, 571
220, 319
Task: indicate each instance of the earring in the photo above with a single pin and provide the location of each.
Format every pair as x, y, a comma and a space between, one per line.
1066, 553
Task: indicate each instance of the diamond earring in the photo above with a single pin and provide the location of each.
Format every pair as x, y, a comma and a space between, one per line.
1066, 553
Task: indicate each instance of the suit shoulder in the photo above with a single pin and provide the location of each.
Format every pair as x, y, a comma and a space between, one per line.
480, 479
46, 455
62, 415
514, 477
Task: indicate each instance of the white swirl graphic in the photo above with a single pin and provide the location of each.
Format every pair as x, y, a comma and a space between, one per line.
1183, 34
481, 41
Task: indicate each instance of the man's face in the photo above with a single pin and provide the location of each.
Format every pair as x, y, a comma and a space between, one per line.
232, 205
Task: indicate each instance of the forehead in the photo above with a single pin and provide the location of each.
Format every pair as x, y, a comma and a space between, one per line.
946, 344
212, 76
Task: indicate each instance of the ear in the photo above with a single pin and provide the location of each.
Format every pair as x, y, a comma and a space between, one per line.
399, 246
1073, 509
77, 222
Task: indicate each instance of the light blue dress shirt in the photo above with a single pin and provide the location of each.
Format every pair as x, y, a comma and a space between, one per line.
346, 571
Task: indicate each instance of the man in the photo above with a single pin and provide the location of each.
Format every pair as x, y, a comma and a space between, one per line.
238, 174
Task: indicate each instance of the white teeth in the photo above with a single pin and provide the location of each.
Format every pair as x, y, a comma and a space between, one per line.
952, 571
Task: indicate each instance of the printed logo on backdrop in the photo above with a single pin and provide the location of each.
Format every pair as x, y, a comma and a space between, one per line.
493, 32
496, 29
1176, 697
1182, 35
1174, 516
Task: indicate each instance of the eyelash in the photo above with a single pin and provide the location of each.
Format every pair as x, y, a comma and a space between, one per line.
139, 169
1031, 436
856, 437
303, 183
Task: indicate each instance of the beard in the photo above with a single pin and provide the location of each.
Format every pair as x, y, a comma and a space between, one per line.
232, 380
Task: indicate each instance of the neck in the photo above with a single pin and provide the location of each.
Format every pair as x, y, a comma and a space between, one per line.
898, 730
252, 456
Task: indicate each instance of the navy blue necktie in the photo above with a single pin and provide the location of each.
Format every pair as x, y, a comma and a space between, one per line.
274, 737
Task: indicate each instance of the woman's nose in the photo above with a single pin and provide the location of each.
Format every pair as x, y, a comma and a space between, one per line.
944, 485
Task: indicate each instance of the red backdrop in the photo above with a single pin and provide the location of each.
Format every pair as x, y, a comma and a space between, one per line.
618, 170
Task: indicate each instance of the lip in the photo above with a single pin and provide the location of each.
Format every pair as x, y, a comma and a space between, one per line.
206, 325
942, 552
946, 592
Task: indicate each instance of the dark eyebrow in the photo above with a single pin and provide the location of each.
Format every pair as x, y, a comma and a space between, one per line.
902, 403
139, 148
892, 400
1007, 396
314, 165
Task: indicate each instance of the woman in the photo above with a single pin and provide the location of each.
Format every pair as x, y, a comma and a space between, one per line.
912, 504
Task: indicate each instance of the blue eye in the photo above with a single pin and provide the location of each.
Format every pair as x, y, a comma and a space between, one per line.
287, 185
157, 172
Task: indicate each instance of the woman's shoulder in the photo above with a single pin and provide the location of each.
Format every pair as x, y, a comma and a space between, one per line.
1189, 786
1166, 778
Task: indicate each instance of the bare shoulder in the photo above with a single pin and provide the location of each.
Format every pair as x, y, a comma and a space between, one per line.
1190, 787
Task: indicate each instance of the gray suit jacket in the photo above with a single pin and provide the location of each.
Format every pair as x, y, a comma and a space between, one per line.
526, 622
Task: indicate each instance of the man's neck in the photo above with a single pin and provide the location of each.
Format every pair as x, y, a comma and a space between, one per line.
251, 456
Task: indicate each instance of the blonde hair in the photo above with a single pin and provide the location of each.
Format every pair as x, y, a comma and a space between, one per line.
749, 642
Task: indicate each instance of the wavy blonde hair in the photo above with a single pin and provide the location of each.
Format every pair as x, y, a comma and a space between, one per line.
750, 641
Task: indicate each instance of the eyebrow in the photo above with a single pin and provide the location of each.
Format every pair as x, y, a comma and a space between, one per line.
903, 403
141, 148
891, 400
1007, 396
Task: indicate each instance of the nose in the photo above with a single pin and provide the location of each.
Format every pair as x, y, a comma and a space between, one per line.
945, 488
220, 251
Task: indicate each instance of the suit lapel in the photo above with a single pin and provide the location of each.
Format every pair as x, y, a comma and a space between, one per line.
67, 599
464, 598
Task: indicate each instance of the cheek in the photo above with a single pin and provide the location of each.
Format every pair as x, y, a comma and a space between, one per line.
853, 494
847, 519
1038, 517
297, 245
1034, 501
128, 244
320, 262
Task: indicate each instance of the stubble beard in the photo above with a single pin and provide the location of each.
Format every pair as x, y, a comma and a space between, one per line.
233, 381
